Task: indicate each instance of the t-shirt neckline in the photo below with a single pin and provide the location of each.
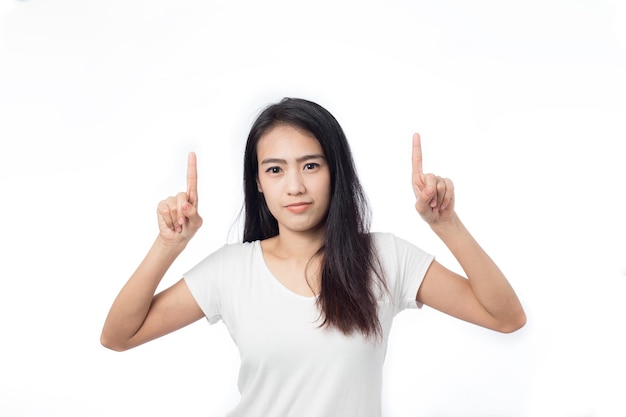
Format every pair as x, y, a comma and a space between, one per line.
270, 276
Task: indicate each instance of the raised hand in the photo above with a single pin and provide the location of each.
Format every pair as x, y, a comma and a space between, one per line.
434, 194
178, 216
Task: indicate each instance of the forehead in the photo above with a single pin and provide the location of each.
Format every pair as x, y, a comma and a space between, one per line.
286, 140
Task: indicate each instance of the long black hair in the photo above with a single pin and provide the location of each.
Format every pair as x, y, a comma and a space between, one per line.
350, 269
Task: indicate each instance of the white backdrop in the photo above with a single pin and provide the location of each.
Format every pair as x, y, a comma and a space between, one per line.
522, 104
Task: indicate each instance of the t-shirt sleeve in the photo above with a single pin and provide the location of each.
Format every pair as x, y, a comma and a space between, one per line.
203, 281
405, 266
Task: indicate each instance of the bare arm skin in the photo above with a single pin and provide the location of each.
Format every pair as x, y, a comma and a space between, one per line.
485, 297
137, 315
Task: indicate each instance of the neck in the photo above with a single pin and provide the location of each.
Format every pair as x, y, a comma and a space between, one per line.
299, 245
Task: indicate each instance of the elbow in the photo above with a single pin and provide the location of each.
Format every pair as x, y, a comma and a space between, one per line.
109, 345
514, 323
112, 344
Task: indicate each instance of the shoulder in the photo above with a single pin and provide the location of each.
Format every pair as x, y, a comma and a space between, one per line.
236, 249
399, 257
404, 266
382, 238
388, 244
229, 256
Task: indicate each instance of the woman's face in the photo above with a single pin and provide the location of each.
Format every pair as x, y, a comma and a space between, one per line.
294, 178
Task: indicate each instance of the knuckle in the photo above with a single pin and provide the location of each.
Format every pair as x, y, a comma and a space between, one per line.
162, 208
168, 202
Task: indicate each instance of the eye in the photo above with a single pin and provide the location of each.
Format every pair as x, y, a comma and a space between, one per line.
311, 165
273, 170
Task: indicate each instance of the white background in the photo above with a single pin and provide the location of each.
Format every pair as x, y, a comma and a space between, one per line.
522, 104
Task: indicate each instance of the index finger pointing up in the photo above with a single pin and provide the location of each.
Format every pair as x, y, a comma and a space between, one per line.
192, 178
418, 173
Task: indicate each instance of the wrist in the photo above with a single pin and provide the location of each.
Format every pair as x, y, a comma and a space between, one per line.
168, 249
450, 227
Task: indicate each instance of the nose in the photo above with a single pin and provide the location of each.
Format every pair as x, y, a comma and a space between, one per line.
295, 185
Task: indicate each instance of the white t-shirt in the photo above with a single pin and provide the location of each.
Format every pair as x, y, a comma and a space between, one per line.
290, 367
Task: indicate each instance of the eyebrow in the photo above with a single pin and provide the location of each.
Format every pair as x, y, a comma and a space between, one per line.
299, 160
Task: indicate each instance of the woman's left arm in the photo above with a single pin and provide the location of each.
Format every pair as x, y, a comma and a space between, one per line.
485, 297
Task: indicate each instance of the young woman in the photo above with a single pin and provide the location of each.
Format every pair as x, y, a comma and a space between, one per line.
310, 294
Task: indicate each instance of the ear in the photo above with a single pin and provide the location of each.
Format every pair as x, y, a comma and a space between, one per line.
258, 186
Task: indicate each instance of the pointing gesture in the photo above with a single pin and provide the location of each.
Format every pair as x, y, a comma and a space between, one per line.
178, 216
434, 194
192, 179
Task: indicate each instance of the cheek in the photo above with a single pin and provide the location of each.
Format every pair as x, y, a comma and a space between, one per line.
268, 190
328, 185
263, 185
325, 189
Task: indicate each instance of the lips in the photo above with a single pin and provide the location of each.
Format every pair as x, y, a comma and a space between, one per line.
298, 207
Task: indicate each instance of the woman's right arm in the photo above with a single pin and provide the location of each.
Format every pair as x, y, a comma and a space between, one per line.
137, 315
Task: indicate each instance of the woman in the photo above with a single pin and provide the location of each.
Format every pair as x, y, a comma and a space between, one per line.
310, 294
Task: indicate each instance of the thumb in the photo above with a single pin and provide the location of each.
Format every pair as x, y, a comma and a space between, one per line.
424, 198
190, 212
